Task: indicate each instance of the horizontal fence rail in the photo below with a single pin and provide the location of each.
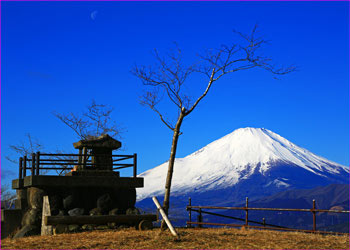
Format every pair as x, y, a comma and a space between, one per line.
200, 223
44, 161
271, 209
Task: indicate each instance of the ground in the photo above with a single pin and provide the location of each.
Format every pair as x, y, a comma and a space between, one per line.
194, 238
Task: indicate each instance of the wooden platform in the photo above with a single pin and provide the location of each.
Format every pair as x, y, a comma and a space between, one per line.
77, 181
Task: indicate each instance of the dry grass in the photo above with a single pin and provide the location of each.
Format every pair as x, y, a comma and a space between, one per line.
190, 238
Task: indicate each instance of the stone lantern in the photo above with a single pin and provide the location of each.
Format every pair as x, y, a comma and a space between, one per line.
96, 153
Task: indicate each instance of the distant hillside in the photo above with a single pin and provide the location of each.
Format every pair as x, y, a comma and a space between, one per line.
334, 196
326, 198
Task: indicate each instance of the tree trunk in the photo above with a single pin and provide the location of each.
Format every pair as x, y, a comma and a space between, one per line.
171, 166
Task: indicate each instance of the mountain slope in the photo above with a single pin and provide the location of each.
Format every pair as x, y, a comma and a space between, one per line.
334, 196
250, 162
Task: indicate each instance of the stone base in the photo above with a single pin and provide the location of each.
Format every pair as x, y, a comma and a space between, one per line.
44, 181
21, 204
86, 190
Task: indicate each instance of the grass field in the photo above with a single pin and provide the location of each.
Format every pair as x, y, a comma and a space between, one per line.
190, 238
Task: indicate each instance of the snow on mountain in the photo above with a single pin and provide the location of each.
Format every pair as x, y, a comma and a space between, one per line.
236, 158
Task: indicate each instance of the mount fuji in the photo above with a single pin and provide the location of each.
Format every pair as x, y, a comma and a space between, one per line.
249, 162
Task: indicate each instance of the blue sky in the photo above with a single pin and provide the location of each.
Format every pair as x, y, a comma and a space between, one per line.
56, 57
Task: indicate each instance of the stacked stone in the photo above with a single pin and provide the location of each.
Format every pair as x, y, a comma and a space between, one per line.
82, 202
31, 221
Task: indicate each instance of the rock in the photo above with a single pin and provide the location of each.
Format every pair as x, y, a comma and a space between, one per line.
88, 227
112, 225
76, 212
35, 197
54, 212
58, 212
21, 193
69, 202
32, 217
73, 228
145, 225
102, 227
104, 202
56, 202
61, 213
28, 230
60, 229
126, 197
115, 211
123, 226
133, 210
95, 211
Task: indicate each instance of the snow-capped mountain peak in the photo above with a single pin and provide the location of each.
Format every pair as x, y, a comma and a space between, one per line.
236, 157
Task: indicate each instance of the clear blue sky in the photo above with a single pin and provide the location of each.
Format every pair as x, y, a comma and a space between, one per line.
55, 57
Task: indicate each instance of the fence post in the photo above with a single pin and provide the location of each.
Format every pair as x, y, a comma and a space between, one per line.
200, 218
37, 162
45, 229
24, 166
20, 168
314, 215
246, 211
80, 157
189, 212
33, 164
264, 222
84, 159
135, 165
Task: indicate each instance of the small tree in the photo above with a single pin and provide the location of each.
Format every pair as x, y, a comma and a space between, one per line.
7, 197
27, 147
170, 74
95, 121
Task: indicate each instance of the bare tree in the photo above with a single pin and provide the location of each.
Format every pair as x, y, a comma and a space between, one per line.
168, 76
95, 121
7, 197
27, 147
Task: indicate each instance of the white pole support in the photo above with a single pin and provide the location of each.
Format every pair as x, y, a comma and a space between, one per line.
45, 230
165, 217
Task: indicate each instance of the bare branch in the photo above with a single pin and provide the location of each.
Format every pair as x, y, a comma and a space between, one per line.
211, 80
76, 123
150, 99
27, 147
7, 197
93, 122
170, 74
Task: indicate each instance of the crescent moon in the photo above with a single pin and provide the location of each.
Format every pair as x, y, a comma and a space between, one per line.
93, 14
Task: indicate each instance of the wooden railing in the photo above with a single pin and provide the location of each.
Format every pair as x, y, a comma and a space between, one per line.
41, 161
263, 224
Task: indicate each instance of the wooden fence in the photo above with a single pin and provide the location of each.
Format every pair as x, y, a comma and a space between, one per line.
40, 161
263, 224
